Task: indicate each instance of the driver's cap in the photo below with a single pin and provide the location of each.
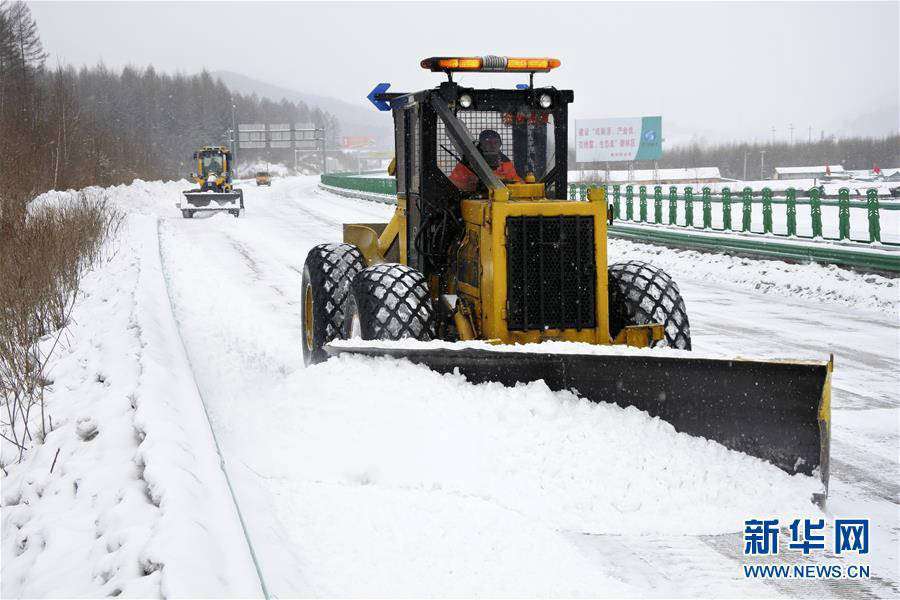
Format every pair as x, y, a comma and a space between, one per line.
489, 134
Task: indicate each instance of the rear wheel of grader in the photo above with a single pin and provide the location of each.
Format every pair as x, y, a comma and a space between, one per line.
327, 274
389, 302
640, 293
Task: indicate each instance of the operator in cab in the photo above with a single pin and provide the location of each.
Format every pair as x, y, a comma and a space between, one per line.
214, 165
489, 144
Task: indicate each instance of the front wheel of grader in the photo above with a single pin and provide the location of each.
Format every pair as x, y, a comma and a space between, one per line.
640, 293
327, 273
389, 302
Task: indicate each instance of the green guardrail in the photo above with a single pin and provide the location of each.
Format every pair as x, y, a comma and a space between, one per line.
766, 245
617, 196
771, 248
353, 181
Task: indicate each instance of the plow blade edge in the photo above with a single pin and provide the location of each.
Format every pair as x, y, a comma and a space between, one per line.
778, 411
213, 199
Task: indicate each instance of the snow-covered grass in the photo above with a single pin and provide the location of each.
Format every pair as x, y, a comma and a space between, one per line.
813, 282
135, 503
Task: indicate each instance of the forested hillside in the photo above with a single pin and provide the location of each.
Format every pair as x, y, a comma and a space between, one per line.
69, 128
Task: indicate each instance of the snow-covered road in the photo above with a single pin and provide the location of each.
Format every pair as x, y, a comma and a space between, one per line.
376, 478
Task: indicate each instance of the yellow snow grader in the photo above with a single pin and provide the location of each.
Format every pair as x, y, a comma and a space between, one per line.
486, 245
215, 171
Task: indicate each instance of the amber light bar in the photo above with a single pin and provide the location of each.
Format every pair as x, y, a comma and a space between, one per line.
489, 64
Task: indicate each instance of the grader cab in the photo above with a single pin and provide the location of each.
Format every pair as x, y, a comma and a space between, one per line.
485, 245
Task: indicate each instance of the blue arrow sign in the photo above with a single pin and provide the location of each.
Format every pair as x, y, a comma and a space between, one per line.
379, 89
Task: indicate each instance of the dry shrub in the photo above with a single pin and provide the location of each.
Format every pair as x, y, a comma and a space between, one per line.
41, 266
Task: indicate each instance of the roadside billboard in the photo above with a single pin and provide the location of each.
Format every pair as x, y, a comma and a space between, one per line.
356, 141
621, 139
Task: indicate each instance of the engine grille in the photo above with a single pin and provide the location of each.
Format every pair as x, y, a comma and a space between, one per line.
550, 273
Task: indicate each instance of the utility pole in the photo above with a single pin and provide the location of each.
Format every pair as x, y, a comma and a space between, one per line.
809, 137
791, 128
234, 144
324, 152
746, 154
773, 135
762, 162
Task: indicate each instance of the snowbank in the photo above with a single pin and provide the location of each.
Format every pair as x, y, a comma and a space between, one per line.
251, 169
553, 458
139, 196
557, 347
136, 503
818, 283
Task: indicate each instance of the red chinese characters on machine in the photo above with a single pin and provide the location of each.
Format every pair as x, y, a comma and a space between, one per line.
522, 118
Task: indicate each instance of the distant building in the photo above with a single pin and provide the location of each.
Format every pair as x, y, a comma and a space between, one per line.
649, 176
890, 174
834, 171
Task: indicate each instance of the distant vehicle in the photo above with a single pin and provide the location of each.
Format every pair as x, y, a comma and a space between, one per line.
263, 178
216, 192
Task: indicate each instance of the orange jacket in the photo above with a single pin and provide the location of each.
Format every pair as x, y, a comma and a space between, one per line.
463, 177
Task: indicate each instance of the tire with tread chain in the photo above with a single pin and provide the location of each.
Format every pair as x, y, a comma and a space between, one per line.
390, 302
327, 273
640, 293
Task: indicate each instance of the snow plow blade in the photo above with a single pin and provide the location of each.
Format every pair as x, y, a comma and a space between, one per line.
778, 411
212, 200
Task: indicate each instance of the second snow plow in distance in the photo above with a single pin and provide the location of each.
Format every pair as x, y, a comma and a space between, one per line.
485, 245
215, 171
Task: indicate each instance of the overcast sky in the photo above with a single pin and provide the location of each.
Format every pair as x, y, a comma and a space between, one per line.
715, 70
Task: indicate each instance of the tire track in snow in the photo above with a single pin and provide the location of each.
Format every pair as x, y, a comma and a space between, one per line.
237, 507
218, 272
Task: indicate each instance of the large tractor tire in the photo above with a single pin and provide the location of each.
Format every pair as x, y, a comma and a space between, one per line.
327, 274
640, 293
389, 302
237, 212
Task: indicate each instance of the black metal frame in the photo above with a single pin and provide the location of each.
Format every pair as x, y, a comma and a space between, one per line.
551, 273
433, 222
